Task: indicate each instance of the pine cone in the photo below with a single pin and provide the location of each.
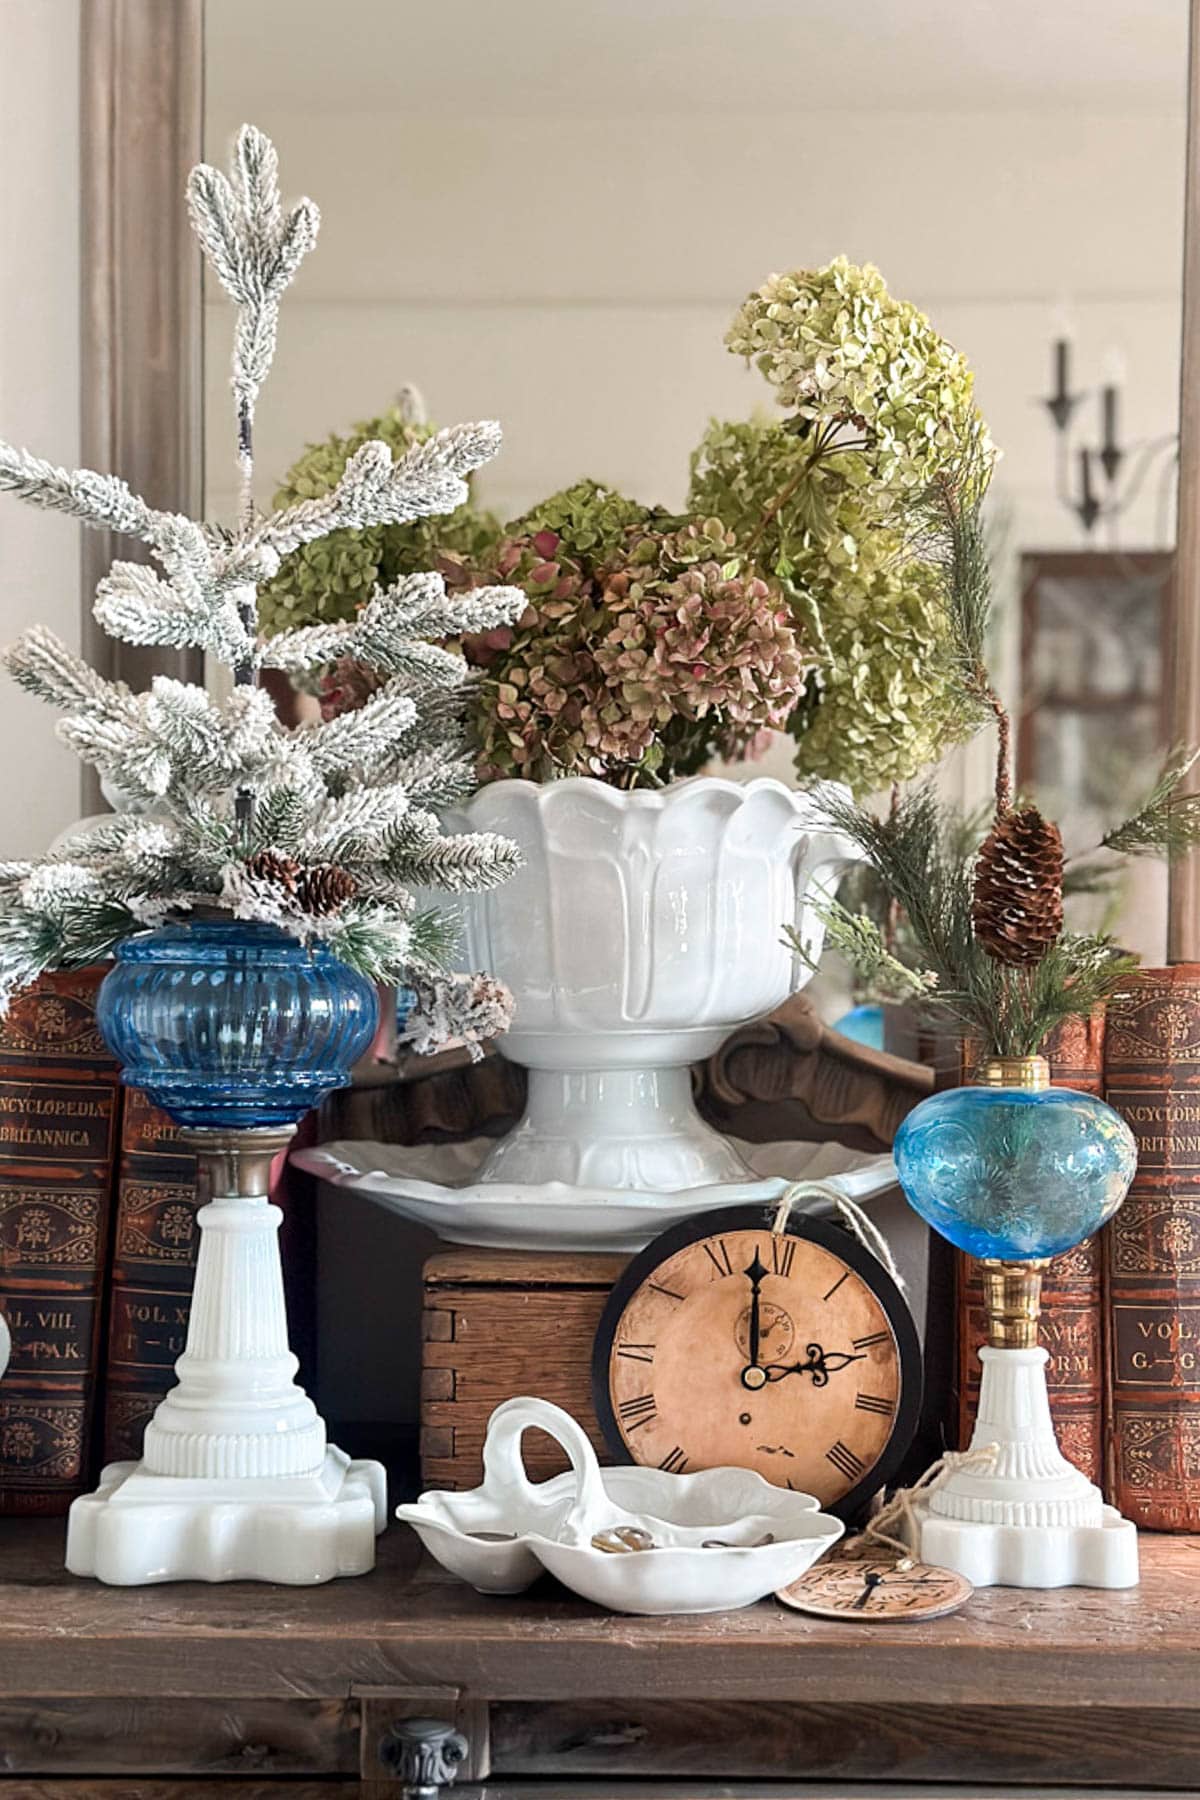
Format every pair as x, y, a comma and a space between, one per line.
1017, 909
273, 867
325, 888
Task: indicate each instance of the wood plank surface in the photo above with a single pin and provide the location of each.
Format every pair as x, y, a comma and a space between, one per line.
142, 1788
409, 1624
571, 1790
907, 1741
523, 1268
140, 1733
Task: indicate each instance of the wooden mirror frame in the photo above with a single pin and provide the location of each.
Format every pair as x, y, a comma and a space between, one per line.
1183, 914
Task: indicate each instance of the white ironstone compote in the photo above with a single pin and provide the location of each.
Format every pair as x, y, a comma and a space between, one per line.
644, 927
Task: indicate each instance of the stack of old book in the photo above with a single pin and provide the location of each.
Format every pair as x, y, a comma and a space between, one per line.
1121, 1314
98, 1242
97, 1249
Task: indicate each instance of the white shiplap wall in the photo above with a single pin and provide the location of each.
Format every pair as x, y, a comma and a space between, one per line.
575, 280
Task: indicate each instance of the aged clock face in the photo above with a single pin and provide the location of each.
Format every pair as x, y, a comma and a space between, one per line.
793, 1354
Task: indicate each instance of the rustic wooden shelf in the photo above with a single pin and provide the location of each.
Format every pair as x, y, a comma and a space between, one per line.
1068, 1687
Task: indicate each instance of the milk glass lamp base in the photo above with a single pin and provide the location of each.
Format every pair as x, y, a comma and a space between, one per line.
236, 1481
1032, 1519
139, 1528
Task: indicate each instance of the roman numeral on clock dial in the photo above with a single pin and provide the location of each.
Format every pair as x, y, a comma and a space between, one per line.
637, 1411
675, 1462
845, 1461
719, 1257
875, 1403
783, 1254
876, 1337
636, 1352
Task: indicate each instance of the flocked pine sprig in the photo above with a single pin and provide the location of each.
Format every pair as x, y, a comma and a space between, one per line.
252, 247
326, 830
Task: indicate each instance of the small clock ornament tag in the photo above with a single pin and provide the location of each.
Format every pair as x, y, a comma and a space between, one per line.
870, 1582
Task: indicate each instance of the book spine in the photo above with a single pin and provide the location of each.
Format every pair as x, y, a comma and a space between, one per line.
1152, 1254
156, 1239
59, 1101
1072, 1294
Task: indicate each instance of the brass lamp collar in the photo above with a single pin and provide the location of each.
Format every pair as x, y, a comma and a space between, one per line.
1030, 1073
237, 1162
1012, 1299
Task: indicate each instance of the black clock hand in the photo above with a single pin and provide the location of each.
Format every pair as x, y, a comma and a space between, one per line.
752, 1374
818, 1363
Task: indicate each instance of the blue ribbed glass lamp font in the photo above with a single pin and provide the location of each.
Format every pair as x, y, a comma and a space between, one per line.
228, 1024
1014, 1174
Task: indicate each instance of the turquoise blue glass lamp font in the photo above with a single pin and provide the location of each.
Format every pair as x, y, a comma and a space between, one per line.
1015, 1170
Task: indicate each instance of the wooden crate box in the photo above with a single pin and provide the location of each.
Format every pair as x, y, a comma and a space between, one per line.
498, 1323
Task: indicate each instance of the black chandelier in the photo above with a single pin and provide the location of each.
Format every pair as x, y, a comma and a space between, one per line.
1108, 477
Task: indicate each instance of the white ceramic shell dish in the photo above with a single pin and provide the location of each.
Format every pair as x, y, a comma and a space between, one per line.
502, 1535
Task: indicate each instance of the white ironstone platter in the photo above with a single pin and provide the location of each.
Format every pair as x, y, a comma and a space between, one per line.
436, 1185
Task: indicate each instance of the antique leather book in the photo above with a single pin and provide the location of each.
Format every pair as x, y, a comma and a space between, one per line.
153, 1265
1072, 1312
1152, 1253
59, 1101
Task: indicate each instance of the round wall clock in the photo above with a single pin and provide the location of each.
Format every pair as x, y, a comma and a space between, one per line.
724, 1343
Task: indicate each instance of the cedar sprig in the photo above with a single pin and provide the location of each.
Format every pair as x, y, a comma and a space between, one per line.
860, 940
947, 531
1167, 823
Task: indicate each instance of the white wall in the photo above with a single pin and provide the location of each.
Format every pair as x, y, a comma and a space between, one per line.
39, 388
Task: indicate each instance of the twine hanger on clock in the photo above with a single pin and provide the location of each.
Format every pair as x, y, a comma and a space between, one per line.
853, 1217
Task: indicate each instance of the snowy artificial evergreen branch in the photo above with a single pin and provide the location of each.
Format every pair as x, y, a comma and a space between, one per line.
252, 247
395, 623
376, 490
321, 830
102, 501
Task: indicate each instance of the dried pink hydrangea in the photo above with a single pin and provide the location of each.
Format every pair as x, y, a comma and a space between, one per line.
639, 665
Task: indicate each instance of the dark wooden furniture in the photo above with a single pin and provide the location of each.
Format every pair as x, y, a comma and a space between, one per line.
789, 1077
146, 1693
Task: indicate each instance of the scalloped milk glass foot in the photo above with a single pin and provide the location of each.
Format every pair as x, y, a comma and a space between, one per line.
643, 928
1032, 1519
226, 1024
1014, 1172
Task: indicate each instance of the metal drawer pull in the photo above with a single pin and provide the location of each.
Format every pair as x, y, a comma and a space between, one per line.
426, 1755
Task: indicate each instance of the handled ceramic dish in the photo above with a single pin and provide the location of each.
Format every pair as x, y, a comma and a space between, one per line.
500, 1536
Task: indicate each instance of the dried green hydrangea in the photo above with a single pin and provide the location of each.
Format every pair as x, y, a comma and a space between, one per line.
333, 578
836, 345
878, 406
645, 650
880, 703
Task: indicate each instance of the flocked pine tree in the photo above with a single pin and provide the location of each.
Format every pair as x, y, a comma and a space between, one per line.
322, 829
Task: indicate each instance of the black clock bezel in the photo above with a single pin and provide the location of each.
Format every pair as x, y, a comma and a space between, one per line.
829, 1236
